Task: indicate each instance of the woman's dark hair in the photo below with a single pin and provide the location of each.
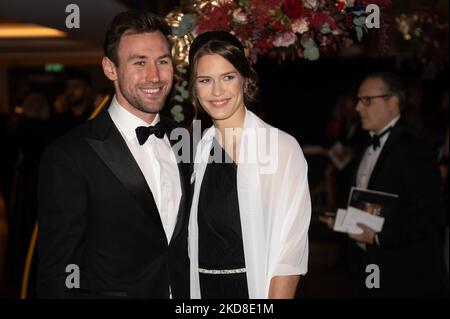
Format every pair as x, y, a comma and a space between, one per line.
228, 47
132, 22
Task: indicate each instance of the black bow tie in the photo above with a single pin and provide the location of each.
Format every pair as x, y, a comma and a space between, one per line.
375, 141
143, 132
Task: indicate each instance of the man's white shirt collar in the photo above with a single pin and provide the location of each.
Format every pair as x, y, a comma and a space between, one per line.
126, 121
391, 123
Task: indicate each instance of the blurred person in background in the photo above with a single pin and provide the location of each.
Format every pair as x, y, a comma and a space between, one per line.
30, 137
74, 106
398, 160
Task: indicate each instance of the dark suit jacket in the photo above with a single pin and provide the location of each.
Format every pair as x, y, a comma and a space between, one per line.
97, 211
410, 255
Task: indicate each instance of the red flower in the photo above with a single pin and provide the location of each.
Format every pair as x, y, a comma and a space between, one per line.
340, 5
215, 18
319, 19
264, 45
292, 8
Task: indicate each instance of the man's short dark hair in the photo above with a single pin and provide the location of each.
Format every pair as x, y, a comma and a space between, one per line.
394, 85
132, 22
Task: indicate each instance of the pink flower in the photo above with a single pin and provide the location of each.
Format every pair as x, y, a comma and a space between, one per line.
285, 40
239, 16
300, 26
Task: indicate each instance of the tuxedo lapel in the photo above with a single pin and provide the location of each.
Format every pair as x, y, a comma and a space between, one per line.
183, 209
112, 149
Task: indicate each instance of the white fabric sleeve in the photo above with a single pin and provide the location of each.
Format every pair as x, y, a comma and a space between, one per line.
293, 204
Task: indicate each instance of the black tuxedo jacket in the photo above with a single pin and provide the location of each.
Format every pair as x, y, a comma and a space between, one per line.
96, 211
410, 255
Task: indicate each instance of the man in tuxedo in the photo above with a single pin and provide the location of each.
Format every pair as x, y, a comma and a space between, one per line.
113, 199
408, 250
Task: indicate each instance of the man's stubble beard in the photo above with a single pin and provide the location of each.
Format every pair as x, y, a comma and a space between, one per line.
138, 104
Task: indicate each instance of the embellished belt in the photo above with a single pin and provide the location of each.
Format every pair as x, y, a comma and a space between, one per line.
221, 271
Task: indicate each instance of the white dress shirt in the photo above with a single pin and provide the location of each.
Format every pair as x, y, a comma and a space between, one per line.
368, 162
370, 157
157, 162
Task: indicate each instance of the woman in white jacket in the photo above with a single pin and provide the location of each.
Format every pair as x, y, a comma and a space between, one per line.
251, 208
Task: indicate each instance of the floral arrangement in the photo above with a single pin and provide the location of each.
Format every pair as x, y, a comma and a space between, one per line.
295, 28
279, 28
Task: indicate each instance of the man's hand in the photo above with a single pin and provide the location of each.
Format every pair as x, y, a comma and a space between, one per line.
328, 219
367, 236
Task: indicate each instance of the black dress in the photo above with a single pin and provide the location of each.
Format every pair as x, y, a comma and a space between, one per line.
220, 234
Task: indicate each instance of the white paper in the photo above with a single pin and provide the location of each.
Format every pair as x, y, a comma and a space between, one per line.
339, 221
355, 216
346, 221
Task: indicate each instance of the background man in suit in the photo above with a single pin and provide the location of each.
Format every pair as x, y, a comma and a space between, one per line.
408, 250
112, 198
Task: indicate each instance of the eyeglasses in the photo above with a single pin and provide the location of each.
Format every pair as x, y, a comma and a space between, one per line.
367, 100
